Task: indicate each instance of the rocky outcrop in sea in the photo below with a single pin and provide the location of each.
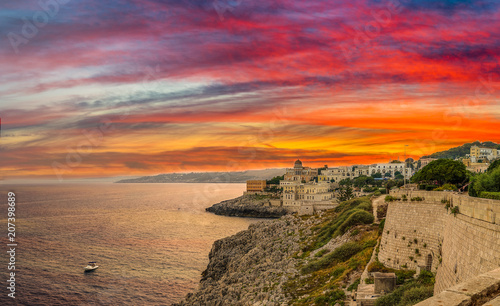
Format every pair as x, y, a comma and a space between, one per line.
253, 206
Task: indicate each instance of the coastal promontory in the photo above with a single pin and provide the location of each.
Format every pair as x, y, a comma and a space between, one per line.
250, 205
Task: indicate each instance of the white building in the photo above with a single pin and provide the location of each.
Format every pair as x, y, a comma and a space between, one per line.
391, 168
344, 172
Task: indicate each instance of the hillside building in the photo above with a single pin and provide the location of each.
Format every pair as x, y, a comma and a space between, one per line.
482, 153
425, 161
300, 173
256, 185
306, 198
390, 169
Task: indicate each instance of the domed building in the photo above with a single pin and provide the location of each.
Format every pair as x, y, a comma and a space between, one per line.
300, 173
298, 164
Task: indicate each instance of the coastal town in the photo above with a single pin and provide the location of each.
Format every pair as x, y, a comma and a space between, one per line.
413, 232
306, 190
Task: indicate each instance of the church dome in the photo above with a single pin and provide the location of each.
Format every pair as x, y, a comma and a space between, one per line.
298, 164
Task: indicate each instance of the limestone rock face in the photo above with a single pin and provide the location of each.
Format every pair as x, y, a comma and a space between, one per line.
251, 267
247, 206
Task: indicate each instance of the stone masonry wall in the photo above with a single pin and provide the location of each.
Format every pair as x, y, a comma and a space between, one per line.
461, 246
470, 247
405, 222
478, 208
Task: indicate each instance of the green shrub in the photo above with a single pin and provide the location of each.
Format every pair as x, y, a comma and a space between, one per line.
446, 187
410, 293
490, 195
381, 225
321, 253
346, 251
354, 286
330, 298
455, 210
377, 193
365, 206
416, 294
403, 275
340, 254
358, 217
489, 182
369, 244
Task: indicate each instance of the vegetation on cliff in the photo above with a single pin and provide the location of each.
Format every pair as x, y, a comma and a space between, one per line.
294, 260
462, 150
334, 256
410, 292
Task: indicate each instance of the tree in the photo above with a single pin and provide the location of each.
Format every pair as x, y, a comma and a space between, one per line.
494, 165
399, 176
442, 171
389, 185
362, 181
345, 192
345, 181
275, 180
377, 175
489, 182
387, 174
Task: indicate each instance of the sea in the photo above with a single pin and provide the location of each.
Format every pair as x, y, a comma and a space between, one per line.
151, 241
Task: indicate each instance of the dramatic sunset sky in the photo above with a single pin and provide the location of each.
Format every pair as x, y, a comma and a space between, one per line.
111, 88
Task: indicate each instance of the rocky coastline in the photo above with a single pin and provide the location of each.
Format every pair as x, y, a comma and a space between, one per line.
252, 206
288, 261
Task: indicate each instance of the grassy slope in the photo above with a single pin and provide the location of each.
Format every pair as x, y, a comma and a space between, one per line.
323, 275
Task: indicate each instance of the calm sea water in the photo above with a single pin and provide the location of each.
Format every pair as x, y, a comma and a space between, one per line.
150, 240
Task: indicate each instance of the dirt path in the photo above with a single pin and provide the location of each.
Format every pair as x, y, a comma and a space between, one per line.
375, 203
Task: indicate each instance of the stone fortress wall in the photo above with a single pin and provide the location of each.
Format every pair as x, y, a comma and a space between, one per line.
457, 247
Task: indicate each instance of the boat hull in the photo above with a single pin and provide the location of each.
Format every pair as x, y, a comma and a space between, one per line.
90, 269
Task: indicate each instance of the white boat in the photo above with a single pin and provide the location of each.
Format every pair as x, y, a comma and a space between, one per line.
91, 266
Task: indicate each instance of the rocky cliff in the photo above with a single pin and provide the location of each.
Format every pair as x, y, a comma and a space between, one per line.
254, 206
309, 260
